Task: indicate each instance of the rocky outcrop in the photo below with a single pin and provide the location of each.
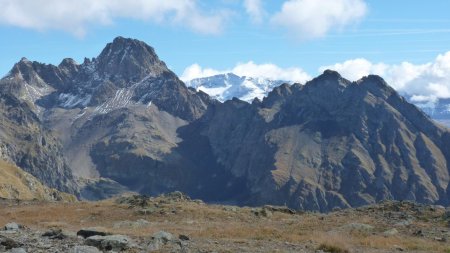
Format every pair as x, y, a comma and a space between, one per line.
26, 143
18, 184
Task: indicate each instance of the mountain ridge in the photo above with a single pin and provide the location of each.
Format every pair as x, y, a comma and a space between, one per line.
126, 117
222, 88
335, 120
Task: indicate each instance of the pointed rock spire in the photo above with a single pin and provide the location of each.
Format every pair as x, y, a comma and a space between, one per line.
129, 60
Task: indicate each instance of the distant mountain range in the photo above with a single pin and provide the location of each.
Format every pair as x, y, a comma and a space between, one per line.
123, 121
228, 86
439, 110
225, 87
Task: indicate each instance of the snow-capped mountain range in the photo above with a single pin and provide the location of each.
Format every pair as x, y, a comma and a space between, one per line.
227, 86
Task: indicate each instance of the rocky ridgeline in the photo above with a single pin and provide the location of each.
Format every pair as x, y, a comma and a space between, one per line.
164, 204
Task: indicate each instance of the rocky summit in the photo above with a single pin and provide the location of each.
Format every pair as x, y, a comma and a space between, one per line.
122, 121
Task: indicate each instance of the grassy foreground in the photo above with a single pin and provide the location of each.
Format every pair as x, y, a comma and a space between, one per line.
386, 227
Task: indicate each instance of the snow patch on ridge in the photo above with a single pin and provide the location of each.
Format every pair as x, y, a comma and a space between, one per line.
122, 98
33, 93
70, 101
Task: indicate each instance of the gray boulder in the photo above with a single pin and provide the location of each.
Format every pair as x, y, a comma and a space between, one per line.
84, 249
109, 242
55, 234
8, 243
12, 226
163, 236
18, 250
390, 232
85, 233
159, 239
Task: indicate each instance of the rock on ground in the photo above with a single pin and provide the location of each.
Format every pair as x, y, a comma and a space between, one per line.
109, 242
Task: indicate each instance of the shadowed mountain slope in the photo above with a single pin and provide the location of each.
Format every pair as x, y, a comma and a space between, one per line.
330, 143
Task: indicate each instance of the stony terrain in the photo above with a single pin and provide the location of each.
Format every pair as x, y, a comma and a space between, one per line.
175, 223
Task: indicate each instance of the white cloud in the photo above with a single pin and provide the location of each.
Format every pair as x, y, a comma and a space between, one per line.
196, 71
250, 69
356, 68
75, 16
254, 9
270, 71
424, 82
309, 19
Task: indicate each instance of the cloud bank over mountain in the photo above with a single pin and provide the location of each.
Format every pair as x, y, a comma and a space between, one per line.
249, 69
423, 82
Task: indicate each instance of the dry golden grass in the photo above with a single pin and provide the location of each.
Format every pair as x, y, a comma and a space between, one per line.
213, 222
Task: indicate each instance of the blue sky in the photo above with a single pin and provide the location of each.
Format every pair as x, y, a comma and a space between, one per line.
222, 35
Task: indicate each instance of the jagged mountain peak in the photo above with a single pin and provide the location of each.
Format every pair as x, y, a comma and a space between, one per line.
129, 60
127, 72
24, 65
377, 85
24, 59
31, 72
330, 79
66, 62
331, 74
131, 46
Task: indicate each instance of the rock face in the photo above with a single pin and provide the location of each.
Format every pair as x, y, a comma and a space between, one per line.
125, 100
329, 143
18, 184
25, 142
